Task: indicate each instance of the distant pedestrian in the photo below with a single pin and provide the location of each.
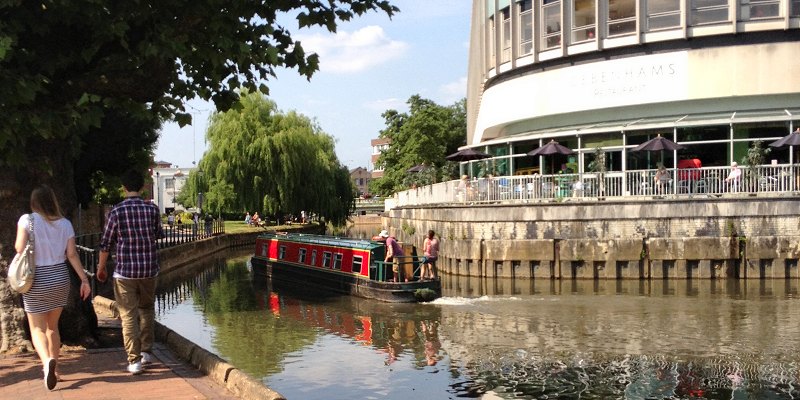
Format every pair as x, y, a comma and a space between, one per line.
247, 218
209, 223
170, 219
134, 226
54, 240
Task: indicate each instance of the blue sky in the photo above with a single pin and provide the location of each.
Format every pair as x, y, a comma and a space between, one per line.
370, 65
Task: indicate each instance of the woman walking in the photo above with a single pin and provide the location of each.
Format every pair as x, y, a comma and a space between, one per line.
54, 243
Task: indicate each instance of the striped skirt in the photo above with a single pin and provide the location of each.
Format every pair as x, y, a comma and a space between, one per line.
50, 289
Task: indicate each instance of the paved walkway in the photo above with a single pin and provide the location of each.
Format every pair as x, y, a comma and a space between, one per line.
100, 374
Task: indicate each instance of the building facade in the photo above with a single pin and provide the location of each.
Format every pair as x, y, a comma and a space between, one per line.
361, 177
168, 181
713, 75
378, 145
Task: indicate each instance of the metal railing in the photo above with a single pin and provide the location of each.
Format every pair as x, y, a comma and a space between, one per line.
642, 184
88, 244
384, 273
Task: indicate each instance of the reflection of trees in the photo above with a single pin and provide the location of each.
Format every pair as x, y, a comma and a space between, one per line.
230, 292
233, 304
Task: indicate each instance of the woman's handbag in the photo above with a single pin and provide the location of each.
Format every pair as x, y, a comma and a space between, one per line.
22, 267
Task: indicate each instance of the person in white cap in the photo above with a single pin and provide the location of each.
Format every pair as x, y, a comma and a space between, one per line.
733, 177
393, 250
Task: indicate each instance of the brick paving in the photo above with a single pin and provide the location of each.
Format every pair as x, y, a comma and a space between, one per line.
101, 374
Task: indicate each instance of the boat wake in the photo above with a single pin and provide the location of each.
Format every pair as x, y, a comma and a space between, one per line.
465, 301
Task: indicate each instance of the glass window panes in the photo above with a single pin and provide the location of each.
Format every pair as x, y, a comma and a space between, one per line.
301, 256
551, 24
795, 8
357, 262
313, 257
326, 259
621, 17
337, 261
525, 27
281, 252
759, 9
709, 11
506, 35
583, 20
662, 14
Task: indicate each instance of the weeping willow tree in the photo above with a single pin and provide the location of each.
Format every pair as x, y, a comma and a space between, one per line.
262, 159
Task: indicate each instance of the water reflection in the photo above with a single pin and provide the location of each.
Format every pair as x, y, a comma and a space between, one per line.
499, 338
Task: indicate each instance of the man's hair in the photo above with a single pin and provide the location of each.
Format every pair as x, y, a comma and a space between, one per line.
132, 180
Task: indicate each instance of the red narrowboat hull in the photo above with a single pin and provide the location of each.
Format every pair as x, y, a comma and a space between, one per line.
338, 265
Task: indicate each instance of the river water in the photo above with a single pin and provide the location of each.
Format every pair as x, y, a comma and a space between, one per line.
497, 339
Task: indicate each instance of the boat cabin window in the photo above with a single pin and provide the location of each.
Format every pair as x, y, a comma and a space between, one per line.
357, 261
337, 261
326, 259
264, 248
281, 252
313, 257
301, 257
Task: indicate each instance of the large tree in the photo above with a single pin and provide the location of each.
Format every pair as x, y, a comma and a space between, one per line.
280, 163
424, 135
70, 68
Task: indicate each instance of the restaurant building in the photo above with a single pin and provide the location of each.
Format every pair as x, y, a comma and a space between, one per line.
712, 75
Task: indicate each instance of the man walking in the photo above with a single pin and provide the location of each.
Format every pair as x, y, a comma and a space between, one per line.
134, 226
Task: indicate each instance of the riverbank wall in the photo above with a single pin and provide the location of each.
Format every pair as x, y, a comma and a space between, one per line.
696, 238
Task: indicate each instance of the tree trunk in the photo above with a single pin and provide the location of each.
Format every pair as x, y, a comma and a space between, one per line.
50, 164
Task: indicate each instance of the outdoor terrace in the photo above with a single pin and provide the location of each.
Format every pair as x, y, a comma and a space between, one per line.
764, 180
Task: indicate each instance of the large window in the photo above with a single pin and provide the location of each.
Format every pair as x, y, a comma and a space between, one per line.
326, 259
583, 20
313, 257
505, 35
301, 256
337, 261
281, 252
526, 27
621, 17
551, 24
709, 11
357, 262
663, 14
795, 12
757, 9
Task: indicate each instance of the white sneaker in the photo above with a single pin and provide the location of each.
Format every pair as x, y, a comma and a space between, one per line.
135, 368
147, 358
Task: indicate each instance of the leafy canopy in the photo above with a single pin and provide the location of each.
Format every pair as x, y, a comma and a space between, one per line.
424, 135
66, 63
261, 159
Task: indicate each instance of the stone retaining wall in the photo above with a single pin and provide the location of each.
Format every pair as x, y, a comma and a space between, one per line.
744, 237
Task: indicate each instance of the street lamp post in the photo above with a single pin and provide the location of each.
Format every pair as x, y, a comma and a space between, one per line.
159, 193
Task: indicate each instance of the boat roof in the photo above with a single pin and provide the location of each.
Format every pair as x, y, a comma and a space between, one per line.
323, 240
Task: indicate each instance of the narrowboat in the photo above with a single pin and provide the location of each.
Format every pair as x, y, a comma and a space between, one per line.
339, 265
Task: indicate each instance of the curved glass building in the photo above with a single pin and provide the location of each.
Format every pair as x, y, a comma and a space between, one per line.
712, 75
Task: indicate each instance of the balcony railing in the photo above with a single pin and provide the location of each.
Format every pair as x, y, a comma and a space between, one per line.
766, 180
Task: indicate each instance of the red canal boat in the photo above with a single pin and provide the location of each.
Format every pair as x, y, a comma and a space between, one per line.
339, 265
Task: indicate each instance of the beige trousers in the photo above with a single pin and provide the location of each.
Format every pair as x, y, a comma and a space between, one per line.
136, 304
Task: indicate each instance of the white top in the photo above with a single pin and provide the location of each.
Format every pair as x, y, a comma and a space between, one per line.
50, 238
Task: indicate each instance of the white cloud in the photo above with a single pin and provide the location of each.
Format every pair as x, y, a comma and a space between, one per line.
453, 91
347, 52
391, 103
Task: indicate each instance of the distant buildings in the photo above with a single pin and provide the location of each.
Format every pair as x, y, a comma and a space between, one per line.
168, 181
378, 146
361, 177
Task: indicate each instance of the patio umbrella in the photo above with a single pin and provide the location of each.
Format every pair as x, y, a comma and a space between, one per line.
467, 155
792, 139
659, 143
549, 149
417, 168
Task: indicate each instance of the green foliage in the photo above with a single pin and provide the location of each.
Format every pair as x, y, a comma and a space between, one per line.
262, 159
424, 135
67, 64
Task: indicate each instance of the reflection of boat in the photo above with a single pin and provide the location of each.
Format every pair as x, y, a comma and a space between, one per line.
341, 265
